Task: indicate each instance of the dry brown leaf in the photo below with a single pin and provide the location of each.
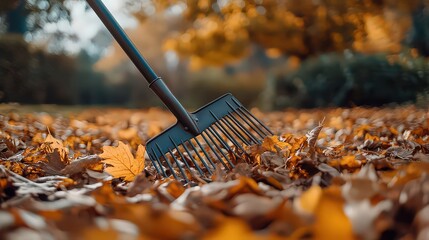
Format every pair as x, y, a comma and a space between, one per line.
122, 162
52, 143
80, 164
252, 207
312, 138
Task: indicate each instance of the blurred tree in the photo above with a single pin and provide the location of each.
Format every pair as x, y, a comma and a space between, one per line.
419, 34
15, 69
221, 31
32, 75
31, 15
89, 86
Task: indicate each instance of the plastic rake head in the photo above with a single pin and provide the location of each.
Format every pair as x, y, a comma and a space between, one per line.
225, 126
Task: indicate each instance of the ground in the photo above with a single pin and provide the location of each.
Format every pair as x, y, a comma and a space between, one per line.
325, 174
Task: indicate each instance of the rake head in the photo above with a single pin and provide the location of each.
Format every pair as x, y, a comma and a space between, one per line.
223, 125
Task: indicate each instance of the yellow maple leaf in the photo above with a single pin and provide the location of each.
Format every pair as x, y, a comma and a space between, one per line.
51, 143
122, 162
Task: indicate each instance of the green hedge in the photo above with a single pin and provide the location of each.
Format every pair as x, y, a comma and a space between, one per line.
337, 80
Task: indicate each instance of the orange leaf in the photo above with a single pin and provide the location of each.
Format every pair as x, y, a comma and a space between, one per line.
308, 201
350, 162
127, 134
122, 161
331, 221
232, 229
175, 189
273, 144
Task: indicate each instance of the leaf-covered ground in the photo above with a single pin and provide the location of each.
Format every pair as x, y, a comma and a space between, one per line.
327, 174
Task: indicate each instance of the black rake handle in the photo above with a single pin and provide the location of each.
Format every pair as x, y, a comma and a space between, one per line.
155, 82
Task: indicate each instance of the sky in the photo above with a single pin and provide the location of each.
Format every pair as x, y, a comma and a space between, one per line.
85, 23
86, 26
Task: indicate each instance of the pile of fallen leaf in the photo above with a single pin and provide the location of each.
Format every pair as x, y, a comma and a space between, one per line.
326, 174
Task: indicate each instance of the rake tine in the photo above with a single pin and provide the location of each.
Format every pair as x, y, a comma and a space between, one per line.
259, 132
224, 131
255, 128
241, 126
205, 153
250, 116
214, 133
180, 153
219, 138
193, 160
154, 163
160, 165
168, 162
199, 156
228, 135
178, 165
217, 146
235, 131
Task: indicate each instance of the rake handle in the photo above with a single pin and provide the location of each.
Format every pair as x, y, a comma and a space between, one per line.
155, 82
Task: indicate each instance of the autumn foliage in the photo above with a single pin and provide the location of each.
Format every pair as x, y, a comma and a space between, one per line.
326, 174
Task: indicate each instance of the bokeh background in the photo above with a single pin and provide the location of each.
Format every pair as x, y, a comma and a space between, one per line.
272, 54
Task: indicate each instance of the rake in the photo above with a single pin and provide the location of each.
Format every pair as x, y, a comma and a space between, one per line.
200, 141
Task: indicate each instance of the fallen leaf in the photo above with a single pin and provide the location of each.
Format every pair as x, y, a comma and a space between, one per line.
54, 164
80, 164
232, 229
331, 221
309, 199
362, 185
170, 190
245, 185
254, 208
312, 138
121, 161
347, 162
362, 215
93, 233
400, 152
127, 134
139, 184
52, 143
323, 167
30, 219
273, 144
422, 218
